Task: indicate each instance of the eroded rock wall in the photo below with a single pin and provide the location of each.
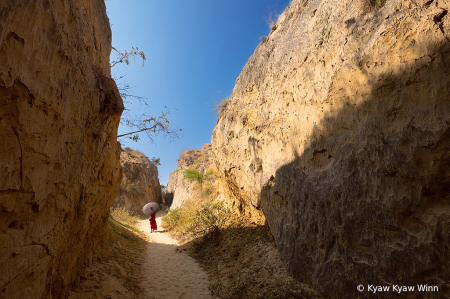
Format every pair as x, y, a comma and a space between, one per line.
59, 156
338, 129
140, 182
178, 189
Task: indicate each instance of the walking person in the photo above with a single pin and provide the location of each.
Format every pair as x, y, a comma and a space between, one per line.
153, 225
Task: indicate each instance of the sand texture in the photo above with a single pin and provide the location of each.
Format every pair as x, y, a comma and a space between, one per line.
170, 274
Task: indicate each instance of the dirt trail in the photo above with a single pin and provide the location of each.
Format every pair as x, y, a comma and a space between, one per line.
169, 274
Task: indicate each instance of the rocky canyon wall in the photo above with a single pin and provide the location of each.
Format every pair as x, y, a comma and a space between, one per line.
59, 156
338, 130
178, 189
140, 182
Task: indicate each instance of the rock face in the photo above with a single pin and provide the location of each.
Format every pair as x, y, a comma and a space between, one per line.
179, 190
59, 156
140, 183
338, 129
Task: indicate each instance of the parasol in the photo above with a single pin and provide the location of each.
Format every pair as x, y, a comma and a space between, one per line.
150, 208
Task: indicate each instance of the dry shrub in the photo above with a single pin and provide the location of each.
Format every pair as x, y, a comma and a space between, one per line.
220, 106
271, 19
125, 218
121, 263
196, 218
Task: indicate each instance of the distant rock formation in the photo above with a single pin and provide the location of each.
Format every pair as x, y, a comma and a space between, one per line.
59, 155
140, 183
338, 128
178, 189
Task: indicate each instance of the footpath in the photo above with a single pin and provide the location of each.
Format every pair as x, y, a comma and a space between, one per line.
170, 274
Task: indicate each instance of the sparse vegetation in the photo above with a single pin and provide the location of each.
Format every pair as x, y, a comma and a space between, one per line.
243, 262
220, 106
156, 161
121, 262
271, 19
125, 56
198, 176
369, 5
125, 218
196, 218
240, 256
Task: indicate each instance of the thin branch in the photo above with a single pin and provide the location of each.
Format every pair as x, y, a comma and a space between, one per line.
137, 131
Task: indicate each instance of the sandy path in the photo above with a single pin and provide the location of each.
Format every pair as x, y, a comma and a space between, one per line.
169, 274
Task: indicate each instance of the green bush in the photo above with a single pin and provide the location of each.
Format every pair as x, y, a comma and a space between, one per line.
198, 176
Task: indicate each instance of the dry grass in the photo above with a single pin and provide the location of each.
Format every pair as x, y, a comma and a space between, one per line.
240, 257
243, 262
119, 271
126, 218
220, 106
200, 216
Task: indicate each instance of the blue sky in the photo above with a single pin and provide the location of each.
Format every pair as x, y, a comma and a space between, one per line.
195, 50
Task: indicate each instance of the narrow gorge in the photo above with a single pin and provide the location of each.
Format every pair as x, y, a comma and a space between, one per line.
329, 162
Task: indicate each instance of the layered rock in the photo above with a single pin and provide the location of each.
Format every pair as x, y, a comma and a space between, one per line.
179, 189
140, 183
59, 158
338, 129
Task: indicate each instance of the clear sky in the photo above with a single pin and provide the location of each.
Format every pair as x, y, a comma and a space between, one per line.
195, 50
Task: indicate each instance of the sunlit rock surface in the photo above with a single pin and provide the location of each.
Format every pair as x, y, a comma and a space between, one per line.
140, 182
338, 129
178, 189
59, 158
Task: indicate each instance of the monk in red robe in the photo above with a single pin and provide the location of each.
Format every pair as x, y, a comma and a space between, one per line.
153, 225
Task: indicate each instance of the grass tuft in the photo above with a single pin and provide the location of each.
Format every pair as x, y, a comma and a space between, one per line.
197, 218
121, 262
221, 105
125, 218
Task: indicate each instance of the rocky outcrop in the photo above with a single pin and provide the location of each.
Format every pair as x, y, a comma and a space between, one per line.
338, 129
178, 189
140, 183
59, 156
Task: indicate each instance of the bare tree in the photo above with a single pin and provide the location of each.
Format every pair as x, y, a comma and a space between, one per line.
152, 126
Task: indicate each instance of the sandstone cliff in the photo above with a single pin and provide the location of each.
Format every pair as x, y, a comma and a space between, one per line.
178, 189
140, 183
59, 158
338, 129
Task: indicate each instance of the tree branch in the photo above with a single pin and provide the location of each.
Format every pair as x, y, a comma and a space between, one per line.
137, 131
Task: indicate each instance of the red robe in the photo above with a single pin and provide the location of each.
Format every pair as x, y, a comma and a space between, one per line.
152, 220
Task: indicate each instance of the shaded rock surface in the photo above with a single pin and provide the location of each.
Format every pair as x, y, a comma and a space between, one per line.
338, 129
178, 189
140, 183
59, 156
